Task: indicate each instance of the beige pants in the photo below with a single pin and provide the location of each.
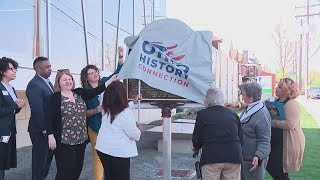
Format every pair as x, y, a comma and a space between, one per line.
96, 163
223, 171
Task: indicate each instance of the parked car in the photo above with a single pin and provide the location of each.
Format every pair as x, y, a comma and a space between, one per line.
314, 93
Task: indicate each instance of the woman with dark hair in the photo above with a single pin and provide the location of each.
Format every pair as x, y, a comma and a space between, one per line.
90, 78
10, 105
67, 126
287, 138
118, 133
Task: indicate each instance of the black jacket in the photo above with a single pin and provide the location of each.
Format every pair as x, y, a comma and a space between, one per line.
38, 93
53, 111
218, 132
8, 111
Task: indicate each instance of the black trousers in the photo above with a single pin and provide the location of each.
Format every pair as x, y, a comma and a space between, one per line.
275, 164
41, 155
115, 168
69, 160
2, 174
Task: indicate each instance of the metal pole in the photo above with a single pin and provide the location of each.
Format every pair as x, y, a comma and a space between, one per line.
144, 13
48, 17
133, 25
85, 30
300, 62
139, 82
102, 34
307, 50
116, 48
36, 45
296, 60
166, 115
153, 8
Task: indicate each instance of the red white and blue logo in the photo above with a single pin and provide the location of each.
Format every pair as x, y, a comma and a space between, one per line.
168, 50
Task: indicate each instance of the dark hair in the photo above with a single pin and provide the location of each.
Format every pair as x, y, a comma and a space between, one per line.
4, 65
39, 59
84, 75
245, 79
115, 99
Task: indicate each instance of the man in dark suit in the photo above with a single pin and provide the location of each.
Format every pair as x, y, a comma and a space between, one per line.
38, 91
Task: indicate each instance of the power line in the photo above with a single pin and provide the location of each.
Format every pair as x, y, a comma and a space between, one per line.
89, 25
69, 8
119, 27
82, 25
75, 21
14, 10
315, 52
28, 3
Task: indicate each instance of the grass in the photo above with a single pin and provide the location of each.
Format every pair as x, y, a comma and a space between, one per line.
310, 168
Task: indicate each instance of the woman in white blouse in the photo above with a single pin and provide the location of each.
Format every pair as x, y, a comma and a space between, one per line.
116, 142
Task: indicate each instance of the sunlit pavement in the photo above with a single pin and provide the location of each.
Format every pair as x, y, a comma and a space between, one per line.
312, 106
144, 167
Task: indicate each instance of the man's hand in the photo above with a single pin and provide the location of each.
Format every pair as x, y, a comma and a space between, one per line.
52, 142
255, 163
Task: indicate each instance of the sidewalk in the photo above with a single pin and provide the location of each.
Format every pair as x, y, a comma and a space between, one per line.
312, 106
146, 166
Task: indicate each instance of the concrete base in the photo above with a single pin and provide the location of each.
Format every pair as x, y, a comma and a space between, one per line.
181, 136
177, 146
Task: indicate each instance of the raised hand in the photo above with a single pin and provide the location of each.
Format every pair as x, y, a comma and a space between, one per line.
120, 55
112, 79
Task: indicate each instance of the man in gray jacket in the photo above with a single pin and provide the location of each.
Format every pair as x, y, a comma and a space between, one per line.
256, 126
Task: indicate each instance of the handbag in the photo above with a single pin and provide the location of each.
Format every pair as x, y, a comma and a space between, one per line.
197, 164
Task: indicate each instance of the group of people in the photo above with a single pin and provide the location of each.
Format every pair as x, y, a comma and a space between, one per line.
244, 146
64, 119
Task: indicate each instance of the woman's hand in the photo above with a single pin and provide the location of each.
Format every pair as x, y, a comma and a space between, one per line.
136, 98
120, 55
140, 127
112, 79
21, 103
52, 142
231, 105
255, 163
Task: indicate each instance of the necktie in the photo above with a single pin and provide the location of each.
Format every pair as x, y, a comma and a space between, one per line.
51, 86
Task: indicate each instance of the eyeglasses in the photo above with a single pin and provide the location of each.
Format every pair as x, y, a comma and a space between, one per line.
13, 69
91, 73
63, 70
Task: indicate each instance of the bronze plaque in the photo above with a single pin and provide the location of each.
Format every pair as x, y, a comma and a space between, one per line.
149, 93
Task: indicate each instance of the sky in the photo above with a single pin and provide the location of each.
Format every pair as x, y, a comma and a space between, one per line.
248, 24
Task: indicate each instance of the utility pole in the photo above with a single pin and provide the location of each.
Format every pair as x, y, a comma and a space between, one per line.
308, 15
37, 31
300, 61
307, 42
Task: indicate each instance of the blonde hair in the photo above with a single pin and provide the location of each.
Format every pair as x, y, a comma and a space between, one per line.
290, 87
60, 73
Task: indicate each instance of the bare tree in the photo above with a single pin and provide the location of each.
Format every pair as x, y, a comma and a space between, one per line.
286, 49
